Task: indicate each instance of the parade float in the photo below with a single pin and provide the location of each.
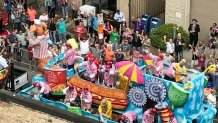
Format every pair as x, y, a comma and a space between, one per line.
138, 96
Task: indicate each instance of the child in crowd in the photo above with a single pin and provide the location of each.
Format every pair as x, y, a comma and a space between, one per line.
194, 62
201, 62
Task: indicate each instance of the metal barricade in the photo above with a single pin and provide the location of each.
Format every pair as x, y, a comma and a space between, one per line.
22, 57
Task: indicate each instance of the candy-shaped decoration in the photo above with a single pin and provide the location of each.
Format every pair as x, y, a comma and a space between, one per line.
164, 112
177, 95
155, 90
137, 96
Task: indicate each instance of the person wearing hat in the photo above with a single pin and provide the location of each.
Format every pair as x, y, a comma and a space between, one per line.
69, 57
105, 109
45, 90
70, 95
86, 99
194, 29
108, 74
91, 69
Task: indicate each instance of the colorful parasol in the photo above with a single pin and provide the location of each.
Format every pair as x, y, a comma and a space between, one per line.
131, 70
73, 43
148, 60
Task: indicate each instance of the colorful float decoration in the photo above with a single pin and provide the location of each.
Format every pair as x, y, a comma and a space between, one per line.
130, 70
177, 95
137, 96
117, 97
155, 89
56, 78
40, 30
164, 112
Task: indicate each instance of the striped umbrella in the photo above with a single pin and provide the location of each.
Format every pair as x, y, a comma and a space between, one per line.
131, 70
148, 60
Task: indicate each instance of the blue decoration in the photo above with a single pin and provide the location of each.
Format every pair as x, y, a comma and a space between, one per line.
137, 96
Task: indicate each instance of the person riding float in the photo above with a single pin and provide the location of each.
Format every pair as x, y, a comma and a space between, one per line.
71, 94
180, 73
86, 99
105, 108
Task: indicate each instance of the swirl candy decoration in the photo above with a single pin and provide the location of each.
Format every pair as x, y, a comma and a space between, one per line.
164, 112
137, 96
155, 90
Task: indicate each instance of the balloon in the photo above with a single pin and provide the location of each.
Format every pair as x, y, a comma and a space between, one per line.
177, 95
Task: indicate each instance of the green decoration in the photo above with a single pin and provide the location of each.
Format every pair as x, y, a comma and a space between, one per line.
177, 95
75, 110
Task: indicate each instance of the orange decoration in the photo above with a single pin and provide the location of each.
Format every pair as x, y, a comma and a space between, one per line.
116, 96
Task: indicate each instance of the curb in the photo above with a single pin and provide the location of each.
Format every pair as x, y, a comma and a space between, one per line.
8, 96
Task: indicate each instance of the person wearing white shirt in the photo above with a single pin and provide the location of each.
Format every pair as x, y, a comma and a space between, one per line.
84, 46
43, 17
119, 18
170, 46
3, 63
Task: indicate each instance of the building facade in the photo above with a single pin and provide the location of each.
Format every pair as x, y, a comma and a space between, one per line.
181, 12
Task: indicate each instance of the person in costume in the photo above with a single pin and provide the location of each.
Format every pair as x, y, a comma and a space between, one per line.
71, 95
148, 116
129, 117
69, 56
169, 72
105, 108
45, 90
108, 73
157, 67
180, 73
86, 99
39, 43
91, 69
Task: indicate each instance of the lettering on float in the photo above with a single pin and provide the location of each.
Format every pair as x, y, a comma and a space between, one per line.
95, 89
55, 76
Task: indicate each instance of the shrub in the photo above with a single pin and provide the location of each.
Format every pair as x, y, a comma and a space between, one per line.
157, 35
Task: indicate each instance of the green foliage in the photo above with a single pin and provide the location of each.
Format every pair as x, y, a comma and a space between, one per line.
157, 35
